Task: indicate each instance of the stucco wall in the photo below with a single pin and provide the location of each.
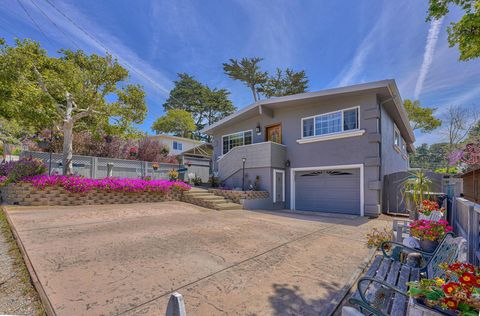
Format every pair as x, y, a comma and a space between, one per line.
392, 160
354, 150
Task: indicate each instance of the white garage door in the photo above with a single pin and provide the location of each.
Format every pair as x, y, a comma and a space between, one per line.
336, 190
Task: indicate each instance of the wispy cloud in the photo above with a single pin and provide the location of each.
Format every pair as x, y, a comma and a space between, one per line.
430, 45
156, 82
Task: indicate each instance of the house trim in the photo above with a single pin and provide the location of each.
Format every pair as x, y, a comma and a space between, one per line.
275, 185
353, 166
339, 135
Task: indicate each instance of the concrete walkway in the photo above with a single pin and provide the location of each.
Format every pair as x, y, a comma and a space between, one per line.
128, 259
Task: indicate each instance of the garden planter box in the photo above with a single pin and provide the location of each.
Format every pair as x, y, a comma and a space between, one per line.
26, 194
236, 196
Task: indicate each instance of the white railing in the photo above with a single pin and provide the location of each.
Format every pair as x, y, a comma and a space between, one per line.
466, 223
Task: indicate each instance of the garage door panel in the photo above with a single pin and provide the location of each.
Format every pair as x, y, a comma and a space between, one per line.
328, 191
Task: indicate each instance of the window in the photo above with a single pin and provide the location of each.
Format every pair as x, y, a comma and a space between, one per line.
404, 145
396, 137
177, 145
335, 122
237, 139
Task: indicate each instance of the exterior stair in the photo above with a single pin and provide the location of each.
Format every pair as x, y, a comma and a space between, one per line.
202, 197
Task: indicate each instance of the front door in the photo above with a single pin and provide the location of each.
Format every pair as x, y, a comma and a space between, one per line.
274, 133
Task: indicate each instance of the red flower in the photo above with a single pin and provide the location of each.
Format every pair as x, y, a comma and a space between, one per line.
467, 278
450, 287
451, 304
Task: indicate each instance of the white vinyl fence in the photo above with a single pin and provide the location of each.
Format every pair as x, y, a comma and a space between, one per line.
466, 223
96, 167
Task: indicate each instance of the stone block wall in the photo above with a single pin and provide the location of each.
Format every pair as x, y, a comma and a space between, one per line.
27, 195
236, 196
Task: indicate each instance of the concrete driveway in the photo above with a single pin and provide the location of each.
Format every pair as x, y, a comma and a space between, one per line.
128, 259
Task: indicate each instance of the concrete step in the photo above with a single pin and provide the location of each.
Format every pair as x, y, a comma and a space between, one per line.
228, 206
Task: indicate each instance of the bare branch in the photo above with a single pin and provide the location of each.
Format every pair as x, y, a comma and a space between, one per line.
84, 113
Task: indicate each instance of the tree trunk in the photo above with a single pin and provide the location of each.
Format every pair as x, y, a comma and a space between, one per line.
254, 91
68, 138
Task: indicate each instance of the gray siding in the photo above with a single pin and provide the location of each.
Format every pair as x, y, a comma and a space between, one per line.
392, 160
363, 149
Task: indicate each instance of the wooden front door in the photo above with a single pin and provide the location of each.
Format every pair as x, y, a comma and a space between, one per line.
274, 133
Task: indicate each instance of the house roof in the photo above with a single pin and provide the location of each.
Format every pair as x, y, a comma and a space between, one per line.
195, 141
204, 150
386, 90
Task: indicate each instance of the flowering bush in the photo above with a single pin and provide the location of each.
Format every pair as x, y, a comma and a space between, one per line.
428, 207
429, 230
376, 237
459, 291
3, 180
25, 167
79, 184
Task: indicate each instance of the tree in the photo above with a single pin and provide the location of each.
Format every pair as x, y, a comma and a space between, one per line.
204, 104
421, 118
431, 157
458, 123
248, 71
177, 122
284, 83
151, 150
68, 92
464, 33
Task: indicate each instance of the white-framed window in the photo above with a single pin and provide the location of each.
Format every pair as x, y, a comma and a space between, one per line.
177, 145
236, 139
331, 123
397, 139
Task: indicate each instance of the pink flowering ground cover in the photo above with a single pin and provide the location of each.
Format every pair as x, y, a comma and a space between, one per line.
80, 185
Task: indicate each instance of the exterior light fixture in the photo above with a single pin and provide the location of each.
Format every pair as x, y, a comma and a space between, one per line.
258, 130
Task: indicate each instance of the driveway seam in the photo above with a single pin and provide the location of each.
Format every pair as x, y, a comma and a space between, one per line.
227, 268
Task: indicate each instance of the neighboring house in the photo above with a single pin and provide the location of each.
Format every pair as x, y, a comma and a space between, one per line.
176, 145
317, 151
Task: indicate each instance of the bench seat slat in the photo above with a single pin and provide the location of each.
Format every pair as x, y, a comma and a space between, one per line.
372, 292
400, 301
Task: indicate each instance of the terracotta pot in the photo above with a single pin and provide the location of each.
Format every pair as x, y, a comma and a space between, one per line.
428, 245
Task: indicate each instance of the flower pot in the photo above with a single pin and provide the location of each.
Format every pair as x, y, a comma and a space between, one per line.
428, 245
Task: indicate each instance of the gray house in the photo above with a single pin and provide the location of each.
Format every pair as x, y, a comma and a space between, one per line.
317, 151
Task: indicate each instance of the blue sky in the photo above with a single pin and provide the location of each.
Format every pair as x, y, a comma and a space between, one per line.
335, 42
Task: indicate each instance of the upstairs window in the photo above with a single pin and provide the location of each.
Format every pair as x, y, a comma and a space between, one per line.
236, 139
177, 145
396, 137
330, 123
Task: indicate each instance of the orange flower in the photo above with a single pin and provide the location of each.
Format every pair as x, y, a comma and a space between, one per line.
467, 278
451, 304
449, 287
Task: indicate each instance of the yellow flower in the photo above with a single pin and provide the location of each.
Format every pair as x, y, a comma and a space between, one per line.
439, 281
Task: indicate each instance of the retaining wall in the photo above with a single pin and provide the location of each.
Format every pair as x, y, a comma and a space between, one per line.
26, 194
236, 196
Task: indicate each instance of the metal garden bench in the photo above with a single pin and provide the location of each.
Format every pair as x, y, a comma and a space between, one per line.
383, 290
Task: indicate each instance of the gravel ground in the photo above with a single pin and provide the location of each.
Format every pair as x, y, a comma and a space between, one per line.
17, 294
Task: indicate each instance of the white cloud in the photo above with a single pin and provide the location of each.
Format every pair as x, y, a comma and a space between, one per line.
156, 81
432, 39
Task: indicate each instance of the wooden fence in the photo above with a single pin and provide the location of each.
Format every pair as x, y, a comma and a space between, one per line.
466, 223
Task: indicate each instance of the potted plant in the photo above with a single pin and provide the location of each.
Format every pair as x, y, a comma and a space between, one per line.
173, 175
429, 232
456, 294
430, 210
416, 190
155, 165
